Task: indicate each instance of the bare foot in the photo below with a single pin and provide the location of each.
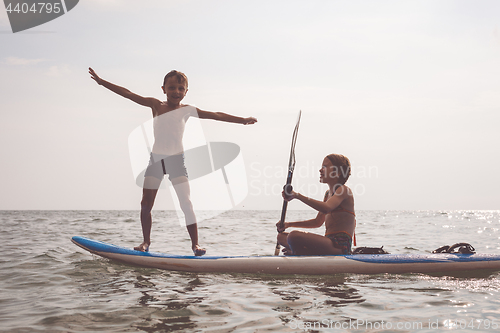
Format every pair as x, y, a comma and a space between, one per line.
198, 251
144, 247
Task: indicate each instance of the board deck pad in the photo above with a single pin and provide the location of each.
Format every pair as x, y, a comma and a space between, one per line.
328, 264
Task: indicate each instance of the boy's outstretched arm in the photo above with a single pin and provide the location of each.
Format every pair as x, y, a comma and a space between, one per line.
221, 116
145, 101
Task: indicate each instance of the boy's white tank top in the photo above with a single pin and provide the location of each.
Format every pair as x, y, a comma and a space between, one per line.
169, 129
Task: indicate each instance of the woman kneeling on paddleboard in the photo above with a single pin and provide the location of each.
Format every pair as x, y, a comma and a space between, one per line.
336, 211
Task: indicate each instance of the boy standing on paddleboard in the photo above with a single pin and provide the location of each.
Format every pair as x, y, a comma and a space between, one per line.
336, 211
167, 156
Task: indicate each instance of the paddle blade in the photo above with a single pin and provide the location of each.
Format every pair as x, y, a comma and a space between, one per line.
277, 249
291, 161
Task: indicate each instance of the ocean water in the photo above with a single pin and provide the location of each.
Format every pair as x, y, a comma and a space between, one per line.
47, 284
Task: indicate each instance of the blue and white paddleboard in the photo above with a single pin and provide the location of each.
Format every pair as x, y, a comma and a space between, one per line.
359, 263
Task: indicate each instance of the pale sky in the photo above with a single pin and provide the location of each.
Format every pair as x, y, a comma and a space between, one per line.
408, 90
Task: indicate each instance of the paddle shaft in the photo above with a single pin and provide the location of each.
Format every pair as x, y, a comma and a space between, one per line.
288, 186
288, 189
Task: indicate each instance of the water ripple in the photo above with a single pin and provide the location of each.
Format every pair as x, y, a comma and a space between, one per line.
48, 284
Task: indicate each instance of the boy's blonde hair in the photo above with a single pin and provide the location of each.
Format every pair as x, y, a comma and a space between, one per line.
342, 166
179, 75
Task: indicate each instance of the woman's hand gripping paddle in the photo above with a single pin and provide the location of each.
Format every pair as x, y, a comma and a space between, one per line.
288, 186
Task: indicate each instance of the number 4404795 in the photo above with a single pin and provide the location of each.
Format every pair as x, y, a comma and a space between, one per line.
484, 324
40, 7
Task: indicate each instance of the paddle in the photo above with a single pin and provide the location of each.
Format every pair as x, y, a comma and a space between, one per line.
288, 186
